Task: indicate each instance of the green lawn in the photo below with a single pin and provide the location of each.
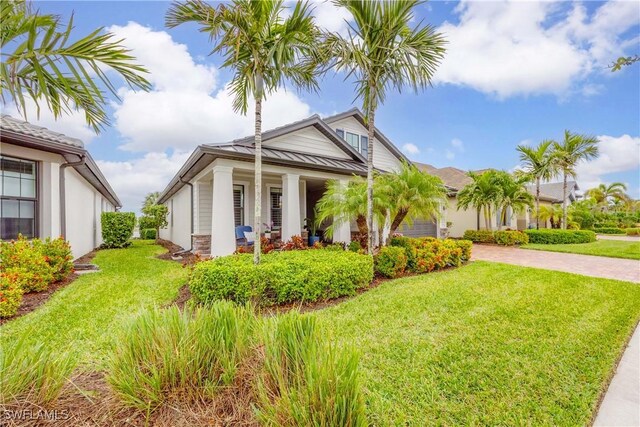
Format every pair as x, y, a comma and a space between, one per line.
487, 344
85, 316
608, 248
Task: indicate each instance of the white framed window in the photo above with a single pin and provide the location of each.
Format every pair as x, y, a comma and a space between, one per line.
18, 198
275, 207
359, 142
238, 204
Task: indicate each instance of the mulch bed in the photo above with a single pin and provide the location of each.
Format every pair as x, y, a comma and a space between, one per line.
33, 300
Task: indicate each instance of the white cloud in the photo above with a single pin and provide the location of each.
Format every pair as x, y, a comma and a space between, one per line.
331, 17
617, 154
457, 145
450, 155
184, 108
133, 179
508, 48
410, 148
73, 125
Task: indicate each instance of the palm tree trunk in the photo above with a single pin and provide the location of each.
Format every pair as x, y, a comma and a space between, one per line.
564, 202
257, 220
361, 222
537, 203
371, 123
397, 220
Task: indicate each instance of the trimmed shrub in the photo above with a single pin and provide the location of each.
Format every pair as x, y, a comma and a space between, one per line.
609, 230
354, 246
145, 222
549, 236
390, 261
57, 253
479, 236
466, 246
117, 229
335, 247
148, 234
26, 265
511, 238
307, 381
427, 254
632, 231
32, 374
281, 277
166, 351
10, 294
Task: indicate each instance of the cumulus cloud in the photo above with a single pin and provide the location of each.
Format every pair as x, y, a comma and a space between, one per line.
331, 17
185, 107
617, 154
456, 146
508, 48
410, 148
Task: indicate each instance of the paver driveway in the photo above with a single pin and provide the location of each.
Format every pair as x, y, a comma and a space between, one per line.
588, 265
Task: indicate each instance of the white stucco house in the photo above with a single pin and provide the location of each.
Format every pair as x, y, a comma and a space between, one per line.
50, 186
212, 193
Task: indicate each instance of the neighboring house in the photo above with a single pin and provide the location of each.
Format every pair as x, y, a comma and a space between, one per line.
550, 195
213, 192
50, 187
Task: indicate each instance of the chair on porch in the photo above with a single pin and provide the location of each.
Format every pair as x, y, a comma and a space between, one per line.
244, 235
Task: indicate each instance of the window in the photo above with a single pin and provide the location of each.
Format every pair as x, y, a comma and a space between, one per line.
18, 198
275, 205
238, 204
353, 140
340, 132
359, 142
364, 145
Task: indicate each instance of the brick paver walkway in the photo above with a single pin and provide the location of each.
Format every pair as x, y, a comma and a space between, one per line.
588, 265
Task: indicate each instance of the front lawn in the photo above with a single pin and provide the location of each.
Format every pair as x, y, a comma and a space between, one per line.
487, 344
608, 248
85, 316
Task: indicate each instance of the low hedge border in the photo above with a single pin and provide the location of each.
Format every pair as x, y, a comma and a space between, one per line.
479, 236
551, 237
501, 237
632, 231
428, 254
609, 230
148, 234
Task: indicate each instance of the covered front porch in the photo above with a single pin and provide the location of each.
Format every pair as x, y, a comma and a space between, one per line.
223, 199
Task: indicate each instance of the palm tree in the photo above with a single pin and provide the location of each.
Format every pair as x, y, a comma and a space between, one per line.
604, 194
574, 149
383, 52
264, 49
482, 193
514, 196
539, 164
45, 65
411, 193
553, 214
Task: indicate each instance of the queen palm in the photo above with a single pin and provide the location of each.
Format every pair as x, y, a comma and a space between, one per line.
574, 149
604, 194
41, 63
383, 52
482, 193
539, 164
514, 196
264, 49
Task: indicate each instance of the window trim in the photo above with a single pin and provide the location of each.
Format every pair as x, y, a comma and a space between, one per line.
36, 199
243, 214
269, 218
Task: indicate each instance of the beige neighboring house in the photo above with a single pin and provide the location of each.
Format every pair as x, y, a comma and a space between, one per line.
50, 186
212, 196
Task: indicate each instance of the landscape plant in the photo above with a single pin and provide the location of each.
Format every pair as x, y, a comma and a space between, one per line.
390, 261
511, 237
57, 253
156, 217
10, 294
539, 164
23, 263
548, 236
632, 231
117, 228
479, 236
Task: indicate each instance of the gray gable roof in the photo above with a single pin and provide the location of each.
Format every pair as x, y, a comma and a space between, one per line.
10, 124
553, 190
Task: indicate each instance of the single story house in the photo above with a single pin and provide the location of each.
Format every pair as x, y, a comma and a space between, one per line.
213, 192
50, 187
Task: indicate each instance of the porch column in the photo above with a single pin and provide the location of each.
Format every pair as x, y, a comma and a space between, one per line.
342, 229
290, 206
223, 235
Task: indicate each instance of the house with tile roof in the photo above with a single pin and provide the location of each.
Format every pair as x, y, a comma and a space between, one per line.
50, 187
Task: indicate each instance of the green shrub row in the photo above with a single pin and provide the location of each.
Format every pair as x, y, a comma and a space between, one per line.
632, 231
511, 238
479, 236
427, 254
550, 237
609, 230
30, 266
117, 229
281, 277
390, 261
148, 234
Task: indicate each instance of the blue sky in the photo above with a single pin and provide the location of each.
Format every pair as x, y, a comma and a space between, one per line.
514, 73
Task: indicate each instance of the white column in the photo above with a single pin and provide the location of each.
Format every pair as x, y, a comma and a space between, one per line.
342, 229
290, 206
50, 204
223, 235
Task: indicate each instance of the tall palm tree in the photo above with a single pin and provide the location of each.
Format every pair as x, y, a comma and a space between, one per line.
539, 164
483, 194
514, 196
40, 62
264, 49
569, 153
411, 193
553, 214
383, 52
604, 194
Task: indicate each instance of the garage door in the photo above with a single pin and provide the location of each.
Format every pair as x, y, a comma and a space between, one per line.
419, 228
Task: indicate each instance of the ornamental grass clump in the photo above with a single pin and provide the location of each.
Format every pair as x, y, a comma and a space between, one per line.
187, 354
32, 374
306, 380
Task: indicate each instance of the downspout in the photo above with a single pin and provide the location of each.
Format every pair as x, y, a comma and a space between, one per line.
192, 215
63, 199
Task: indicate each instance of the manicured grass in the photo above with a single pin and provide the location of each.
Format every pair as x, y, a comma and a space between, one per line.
88, 314
608, 248
487, 344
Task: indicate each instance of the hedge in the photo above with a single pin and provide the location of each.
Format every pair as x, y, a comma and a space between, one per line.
609, 230
10, 294
632, 231
390, 261
427, 254
479, 236
511, 238
145, 222
549, 237
148, 233
281, 277
117, 229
